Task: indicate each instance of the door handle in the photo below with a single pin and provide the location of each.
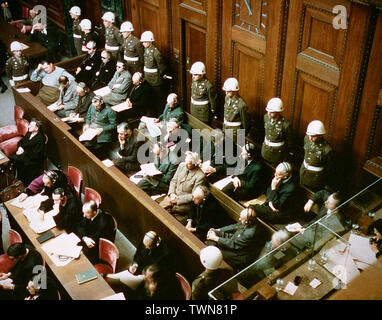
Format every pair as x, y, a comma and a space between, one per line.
188, 60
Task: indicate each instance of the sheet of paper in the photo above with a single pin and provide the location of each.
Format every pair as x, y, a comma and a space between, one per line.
6, 281
315, 283
40, 226
117, 296
206, 165
23, 90
29, 202
121, 107
157, 196
52, 107
295, 227
89, 134
147, 119
71, 119
153, 129
102, 92
223, 182
136, 177
150, 169
361, 265
360, 249
290, 288
108, 163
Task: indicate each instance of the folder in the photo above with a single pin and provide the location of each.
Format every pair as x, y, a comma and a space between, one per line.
45, 236
86, 276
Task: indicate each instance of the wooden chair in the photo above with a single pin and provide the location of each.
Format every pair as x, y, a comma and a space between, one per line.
76, 177
108, 256
91, 194
7, 132
14, 237
185, 285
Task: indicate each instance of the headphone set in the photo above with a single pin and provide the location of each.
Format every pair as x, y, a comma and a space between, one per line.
53, 176
250, 148
154, 237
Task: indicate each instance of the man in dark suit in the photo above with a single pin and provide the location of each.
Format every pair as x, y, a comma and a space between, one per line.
328, 202
25, 258
124, 152
105, 71
248, 180
278, 207
85, 97
240, 243
90, 64
95, 224
166, 162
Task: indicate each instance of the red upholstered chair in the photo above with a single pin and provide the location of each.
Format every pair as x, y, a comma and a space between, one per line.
185, 285
91, 194
108, 256
76, 177
8, 132
9, 146
5, 263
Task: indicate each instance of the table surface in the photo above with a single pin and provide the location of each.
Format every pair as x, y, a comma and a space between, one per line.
92, 290
3, 158
10, 33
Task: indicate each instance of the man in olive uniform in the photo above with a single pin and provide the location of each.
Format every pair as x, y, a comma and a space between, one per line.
132, 49
87, 34
203, 95
318, 157
278, 136
75, 13
17, 66
235, 109
154, 66
113, 39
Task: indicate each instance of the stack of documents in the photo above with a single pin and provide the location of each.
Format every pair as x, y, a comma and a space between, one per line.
30, 202
89, 134
361, 252
23, 90
153, 129
121, 107
150, 169
102, 92
63, 249
223, 182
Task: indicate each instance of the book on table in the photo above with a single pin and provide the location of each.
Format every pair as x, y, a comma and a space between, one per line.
86, 275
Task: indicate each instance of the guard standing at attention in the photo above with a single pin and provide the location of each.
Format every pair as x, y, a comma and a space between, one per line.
75, 13
203, 95
17, 66
318, 157
235, 109
131, 48
278, 136
113, 39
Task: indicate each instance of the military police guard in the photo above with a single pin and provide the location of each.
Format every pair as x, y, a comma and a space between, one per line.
17, 66
75, 13
132, 49
113, 39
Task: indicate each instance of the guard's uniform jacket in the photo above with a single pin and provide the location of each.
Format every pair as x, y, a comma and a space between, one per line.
203, 99
77, 36
235, 115
132, 51
17, 68
154, 66
113, 40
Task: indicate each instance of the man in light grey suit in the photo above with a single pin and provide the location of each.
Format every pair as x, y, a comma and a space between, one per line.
187, 177
120, 85
68, 99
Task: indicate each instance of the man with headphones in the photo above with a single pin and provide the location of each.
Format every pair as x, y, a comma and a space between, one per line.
280, 197
240, 242
248, 182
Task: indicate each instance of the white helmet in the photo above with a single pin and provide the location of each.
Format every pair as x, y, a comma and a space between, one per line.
198, 68
211, 257
17, 46
316, 127
86, 24
108, 16
147, 36
126, 27
75, 10
275, 105
231, 84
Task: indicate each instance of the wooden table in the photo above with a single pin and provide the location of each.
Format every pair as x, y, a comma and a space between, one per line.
93, 290
10, 33
3, 158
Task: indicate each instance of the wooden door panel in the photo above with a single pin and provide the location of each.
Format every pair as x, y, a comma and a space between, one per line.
149, 18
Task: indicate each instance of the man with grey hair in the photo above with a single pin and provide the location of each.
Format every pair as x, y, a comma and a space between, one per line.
281, 194
187, 177
90, 64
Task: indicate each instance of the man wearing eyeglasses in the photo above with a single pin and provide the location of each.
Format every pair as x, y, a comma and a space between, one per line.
90, 64
105, 71
120, 85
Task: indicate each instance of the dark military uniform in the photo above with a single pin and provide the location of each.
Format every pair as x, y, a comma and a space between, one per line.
17, 69
89, 66
77, 36
318, 160
132, 51
203, 99
235, 115
103, 75
154, 66
86, 37
277, 140
113, 40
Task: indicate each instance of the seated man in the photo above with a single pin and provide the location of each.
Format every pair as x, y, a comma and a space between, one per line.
240, 242
103, 119
124, 152
49, 74
187, 177
68, 99
85, 97
166, 162
38, 291
278, 207
327, 202
30, 155
95, 224
90, 64
105, 71
14, 283
248, 181
119, 85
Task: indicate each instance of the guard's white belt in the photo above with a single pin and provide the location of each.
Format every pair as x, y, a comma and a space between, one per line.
232, 124
312, 168
20, 77
273, 144
78, 36
111, 48
130, 58
150, 70
199, 103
